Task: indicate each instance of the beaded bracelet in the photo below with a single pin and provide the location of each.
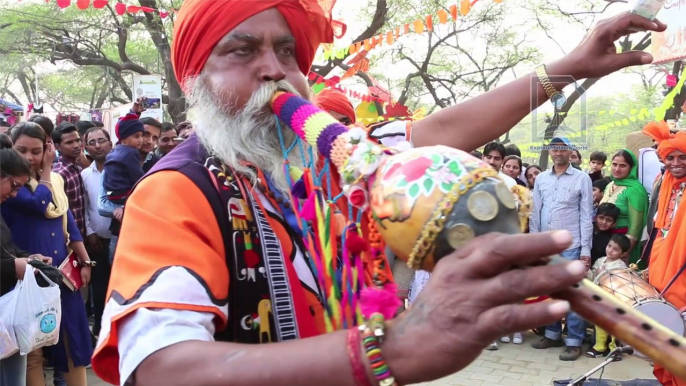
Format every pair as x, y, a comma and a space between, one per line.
371, 336
354, 347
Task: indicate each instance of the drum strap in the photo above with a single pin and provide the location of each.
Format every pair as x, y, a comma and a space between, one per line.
681, 270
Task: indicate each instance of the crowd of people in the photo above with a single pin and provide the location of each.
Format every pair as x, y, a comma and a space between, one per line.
203, 256
55, 204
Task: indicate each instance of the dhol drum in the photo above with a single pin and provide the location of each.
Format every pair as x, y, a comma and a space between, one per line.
630, 288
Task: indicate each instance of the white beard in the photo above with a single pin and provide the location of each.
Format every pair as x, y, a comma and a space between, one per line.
248, 135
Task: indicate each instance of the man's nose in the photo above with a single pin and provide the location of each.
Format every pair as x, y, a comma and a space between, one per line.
271, 68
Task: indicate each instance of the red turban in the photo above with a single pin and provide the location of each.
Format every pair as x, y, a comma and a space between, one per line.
201, 24
668, 141
334, 100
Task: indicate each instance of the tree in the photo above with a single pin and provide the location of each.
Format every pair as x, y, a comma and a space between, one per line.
104, 49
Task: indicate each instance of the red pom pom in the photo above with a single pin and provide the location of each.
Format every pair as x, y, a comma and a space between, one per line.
358, 198
355, 244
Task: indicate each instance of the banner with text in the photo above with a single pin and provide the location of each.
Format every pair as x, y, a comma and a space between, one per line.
670, 45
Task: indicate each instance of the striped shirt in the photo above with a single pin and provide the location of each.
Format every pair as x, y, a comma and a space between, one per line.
564, 202
73, 186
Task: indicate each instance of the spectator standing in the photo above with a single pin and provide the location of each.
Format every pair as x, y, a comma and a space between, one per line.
512, 167
596, 164
576, 159
98, 145
563, 199
532, 171
598, 193
152, 129
494, 154
167, 140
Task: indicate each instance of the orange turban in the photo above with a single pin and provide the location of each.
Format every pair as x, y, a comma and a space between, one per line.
201, 24
668, 141
334, 100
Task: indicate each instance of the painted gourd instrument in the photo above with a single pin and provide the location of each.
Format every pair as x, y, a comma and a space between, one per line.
429, 201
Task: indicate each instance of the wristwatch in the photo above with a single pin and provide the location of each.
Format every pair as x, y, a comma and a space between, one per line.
89, 263
557, 98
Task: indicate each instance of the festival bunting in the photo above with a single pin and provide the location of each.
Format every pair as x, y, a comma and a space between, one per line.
668, 103
119, 7
461, 8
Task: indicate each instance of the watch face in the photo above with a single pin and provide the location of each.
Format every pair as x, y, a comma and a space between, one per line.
558, 100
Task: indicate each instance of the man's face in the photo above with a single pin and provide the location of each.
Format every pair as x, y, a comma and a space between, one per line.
150, 137
494, 159
574, 158
98, 146
166, 142
259, 50
596, 166
675, 162
604, 223
70, 146
341, 118
560, 154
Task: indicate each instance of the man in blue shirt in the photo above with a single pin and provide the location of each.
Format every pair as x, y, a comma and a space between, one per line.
563, 199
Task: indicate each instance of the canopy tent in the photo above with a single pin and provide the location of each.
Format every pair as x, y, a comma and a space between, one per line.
5, 104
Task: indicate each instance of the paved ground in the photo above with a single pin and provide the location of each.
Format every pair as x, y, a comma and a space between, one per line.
521, 365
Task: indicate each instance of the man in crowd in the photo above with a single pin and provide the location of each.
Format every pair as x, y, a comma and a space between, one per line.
337, 104
563, 199
68, 142
167, 320
151, 135
98, 145
494, 154
668, 253
167, 139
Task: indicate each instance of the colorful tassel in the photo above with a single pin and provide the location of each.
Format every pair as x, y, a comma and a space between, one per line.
383, 300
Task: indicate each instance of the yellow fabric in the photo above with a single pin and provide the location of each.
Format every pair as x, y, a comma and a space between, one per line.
60, 202
601, 340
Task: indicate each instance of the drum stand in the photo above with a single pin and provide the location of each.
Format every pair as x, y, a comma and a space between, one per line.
610, 358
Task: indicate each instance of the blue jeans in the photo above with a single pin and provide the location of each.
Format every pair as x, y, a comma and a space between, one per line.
113, 247
576, 325
13, 370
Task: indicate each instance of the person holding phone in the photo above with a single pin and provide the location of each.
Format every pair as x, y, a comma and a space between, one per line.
168, 139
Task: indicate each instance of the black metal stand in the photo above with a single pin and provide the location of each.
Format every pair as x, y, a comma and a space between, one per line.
610, 358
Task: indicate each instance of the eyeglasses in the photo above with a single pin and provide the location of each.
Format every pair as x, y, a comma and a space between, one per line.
100, 141
15, 185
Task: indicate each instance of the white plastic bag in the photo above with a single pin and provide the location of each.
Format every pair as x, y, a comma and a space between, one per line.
37, 314
8, 340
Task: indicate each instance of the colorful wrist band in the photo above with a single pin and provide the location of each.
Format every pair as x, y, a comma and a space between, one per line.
382, 372
354, 348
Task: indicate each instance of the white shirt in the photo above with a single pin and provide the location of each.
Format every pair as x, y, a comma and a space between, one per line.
648, 167
96, 223
509, 181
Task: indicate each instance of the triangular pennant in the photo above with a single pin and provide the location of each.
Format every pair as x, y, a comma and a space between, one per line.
352, 49
147, 9
163, 14
429, 23
99, 4
453, 12
465, 6
133, 9
63, 3
442, 16
389, 37
83, 4
406, 29
418, 26
397, 32
120, 8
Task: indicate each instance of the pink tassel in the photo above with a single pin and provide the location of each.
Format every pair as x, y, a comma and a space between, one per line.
308, 211
382, 300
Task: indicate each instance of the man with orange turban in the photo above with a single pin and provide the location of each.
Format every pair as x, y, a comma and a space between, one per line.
668, 254
212, 259
337, 104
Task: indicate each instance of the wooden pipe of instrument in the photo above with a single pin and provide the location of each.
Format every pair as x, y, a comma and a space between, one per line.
626, 324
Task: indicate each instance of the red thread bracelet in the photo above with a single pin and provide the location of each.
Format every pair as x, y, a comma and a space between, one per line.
354, 348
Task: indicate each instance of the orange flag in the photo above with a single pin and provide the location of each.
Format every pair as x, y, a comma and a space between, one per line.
429, 23
465, 6
442, 16
418, 26
367, 44
389, 37
397, 32
407, 29
453, 12
352, 49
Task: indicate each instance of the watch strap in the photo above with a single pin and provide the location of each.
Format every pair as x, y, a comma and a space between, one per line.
542, 75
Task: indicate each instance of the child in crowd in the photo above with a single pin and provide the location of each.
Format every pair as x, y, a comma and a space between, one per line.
123, 165
598, 193
602, 230
598, 159
616, 252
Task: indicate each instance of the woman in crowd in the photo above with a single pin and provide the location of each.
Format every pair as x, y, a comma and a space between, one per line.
512, 166
41, 223
14, 173
531, 173
629, 195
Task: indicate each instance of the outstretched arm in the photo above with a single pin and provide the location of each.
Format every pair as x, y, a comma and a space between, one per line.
480, 120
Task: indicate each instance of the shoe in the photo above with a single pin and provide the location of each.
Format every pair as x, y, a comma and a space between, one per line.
593, 353
518, 338
540, 331
571, 354
545, 343
492, 347
505, 339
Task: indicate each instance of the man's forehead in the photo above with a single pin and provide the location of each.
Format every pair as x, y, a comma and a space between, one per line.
257, 27
676, 153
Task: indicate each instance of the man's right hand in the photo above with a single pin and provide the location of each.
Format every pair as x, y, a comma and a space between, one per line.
118, 214
139, 105
475, 296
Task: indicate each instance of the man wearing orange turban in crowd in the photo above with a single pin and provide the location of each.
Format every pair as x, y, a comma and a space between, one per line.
337, 104
210, 260
668, 254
